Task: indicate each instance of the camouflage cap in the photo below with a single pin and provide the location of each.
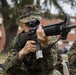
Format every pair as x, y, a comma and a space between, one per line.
29, 13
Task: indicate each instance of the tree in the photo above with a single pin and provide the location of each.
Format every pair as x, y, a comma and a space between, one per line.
58, 6
10, 14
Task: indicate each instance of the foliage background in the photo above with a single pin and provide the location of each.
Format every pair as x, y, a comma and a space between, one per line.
10, 14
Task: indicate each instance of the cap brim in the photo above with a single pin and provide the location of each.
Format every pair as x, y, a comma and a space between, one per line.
30, 18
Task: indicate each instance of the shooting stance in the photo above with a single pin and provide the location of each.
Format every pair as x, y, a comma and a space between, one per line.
31, 54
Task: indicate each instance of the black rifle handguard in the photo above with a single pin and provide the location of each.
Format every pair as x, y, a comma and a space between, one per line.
62, 29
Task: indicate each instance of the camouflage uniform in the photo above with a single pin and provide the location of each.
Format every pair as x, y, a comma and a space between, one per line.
72, 59
30, 65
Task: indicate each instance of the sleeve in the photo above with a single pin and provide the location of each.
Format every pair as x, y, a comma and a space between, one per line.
51, 53
12, 62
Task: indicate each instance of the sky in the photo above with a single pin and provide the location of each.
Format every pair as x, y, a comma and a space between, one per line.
66, 8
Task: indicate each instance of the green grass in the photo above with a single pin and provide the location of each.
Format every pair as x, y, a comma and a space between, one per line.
3, 57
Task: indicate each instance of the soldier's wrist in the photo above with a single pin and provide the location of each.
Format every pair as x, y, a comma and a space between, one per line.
22, 53
45, 45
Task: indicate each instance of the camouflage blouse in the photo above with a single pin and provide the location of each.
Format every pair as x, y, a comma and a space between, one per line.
30, 65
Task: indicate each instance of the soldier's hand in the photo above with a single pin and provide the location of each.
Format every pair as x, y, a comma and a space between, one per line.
29, 47
43, 39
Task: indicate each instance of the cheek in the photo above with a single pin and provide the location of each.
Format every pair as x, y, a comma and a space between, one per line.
26, 29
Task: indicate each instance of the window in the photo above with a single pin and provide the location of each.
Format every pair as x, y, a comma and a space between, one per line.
1, 20
72, 31
0, 34
65, 42
72, 19
71, 42
59, 42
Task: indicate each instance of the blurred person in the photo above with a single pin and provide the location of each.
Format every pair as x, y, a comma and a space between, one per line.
22, 57
72, 59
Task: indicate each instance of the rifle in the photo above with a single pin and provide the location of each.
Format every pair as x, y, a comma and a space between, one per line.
62, 29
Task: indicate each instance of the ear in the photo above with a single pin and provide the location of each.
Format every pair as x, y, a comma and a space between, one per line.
21, 25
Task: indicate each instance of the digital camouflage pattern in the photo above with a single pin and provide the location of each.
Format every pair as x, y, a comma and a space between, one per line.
72, 59
2, 72
30, 65
29, 13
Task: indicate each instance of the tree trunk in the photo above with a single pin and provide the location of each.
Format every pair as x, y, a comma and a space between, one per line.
9, 24
10, 34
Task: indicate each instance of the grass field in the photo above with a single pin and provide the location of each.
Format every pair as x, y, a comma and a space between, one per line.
3, 56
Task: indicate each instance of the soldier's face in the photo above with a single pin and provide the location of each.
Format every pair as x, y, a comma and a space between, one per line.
24, 27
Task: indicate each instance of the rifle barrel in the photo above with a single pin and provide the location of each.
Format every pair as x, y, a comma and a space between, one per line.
69, 27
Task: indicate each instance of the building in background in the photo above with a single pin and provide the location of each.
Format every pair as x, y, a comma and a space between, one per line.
61, 43
2, 34
70, 38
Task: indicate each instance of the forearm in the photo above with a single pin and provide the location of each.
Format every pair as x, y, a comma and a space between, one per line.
51, 52
45, 43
